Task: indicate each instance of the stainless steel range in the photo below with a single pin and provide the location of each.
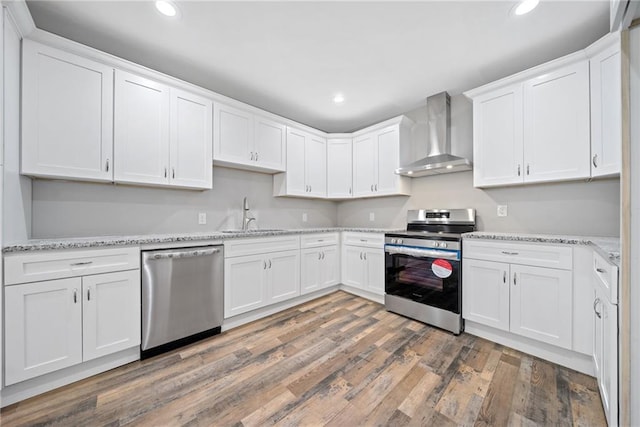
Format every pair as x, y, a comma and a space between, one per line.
423, 267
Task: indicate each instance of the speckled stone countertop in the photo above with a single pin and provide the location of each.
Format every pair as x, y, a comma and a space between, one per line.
105, 241
607, 246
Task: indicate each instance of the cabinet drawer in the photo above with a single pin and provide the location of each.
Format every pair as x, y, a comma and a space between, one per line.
369, 240
48, 265
317, 240
606, 277
254, 246
535, 254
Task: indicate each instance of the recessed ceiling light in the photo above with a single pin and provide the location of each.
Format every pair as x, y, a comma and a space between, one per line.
167, 8
338, 98
524, 6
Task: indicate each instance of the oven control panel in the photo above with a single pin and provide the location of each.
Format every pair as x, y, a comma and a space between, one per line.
424, 243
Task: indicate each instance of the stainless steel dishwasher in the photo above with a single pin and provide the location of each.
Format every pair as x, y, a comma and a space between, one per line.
182, 296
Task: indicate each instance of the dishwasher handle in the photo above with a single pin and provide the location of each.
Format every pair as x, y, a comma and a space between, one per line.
185, 254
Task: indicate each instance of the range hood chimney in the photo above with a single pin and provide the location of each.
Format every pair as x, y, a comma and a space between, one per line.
439, 159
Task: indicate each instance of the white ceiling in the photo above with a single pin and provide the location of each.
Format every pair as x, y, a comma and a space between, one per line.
290, 58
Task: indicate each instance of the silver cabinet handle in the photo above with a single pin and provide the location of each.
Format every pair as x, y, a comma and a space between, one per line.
595, 304
107, 166
165, 172
173, 173
88, 294
514, 279
77, 264
527, 169
509, 253
504, 277
322, 255
376, 187
310, 188
360, 255
595, 160
256, 156
184, 254
372, 187
75, 296
601, 270
319, 255
252, 155
264, 267
349, 190
269, 263
518, 170
365, 256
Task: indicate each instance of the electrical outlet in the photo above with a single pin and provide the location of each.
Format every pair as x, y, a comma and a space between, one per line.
502, 210
202, 218
304, 217
372, 216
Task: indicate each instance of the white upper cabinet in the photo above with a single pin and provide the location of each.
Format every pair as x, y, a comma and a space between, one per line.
306, 174
556, 122
191, 140
67, 104
556, 125
339, 168
606, 107
377, 154
247, 141
162, 134
497, 136
141, 130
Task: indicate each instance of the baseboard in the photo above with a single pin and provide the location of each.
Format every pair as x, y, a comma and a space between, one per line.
362, 293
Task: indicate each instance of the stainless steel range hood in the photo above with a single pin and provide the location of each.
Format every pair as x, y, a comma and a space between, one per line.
439, 159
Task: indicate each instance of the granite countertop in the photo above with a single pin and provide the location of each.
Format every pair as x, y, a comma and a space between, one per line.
607, 246
105, 241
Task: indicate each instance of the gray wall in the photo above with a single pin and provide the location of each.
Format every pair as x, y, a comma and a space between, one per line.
583, 208
63, 209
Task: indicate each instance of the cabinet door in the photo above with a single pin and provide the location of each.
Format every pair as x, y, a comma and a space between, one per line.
609, 378
245, 286
310, 270
556, 125
43, 328
233, 135
270, 144
111, 313
191, 140
374, 264
67, 107
353, 266
316, 166
485, 293
330, 263
606, 112
364, 165
141, 130
283, 272
339, 167
541, 304
296, 185
497, 138
388, 160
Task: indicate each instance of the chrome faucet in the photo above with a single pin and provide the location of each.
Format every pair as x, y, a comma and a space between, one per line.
246, 215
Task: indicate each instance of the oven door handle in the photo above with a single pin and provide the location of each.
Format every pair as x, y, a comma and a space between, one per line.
421, 253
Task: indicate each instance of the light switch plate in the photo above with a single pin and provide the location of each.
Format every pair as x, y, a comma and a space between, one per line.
372, 216
202, 218
304, 217
502, 210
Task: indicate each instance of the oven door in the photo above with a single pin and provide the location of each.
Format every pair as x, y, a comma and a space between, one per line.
427, 276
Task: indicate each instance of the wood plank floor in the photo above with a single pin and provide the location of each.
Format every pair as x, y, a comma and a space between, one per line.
339, 360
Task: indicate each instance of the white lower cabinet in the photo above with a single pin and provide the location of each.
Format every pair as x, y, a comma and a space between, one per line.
55, 324
605, 339
363, 261
529, 300
256, 276
319, 262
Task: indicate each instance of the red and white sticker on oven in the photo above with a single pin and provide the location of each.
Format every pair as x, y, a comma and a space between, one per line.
442, 268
